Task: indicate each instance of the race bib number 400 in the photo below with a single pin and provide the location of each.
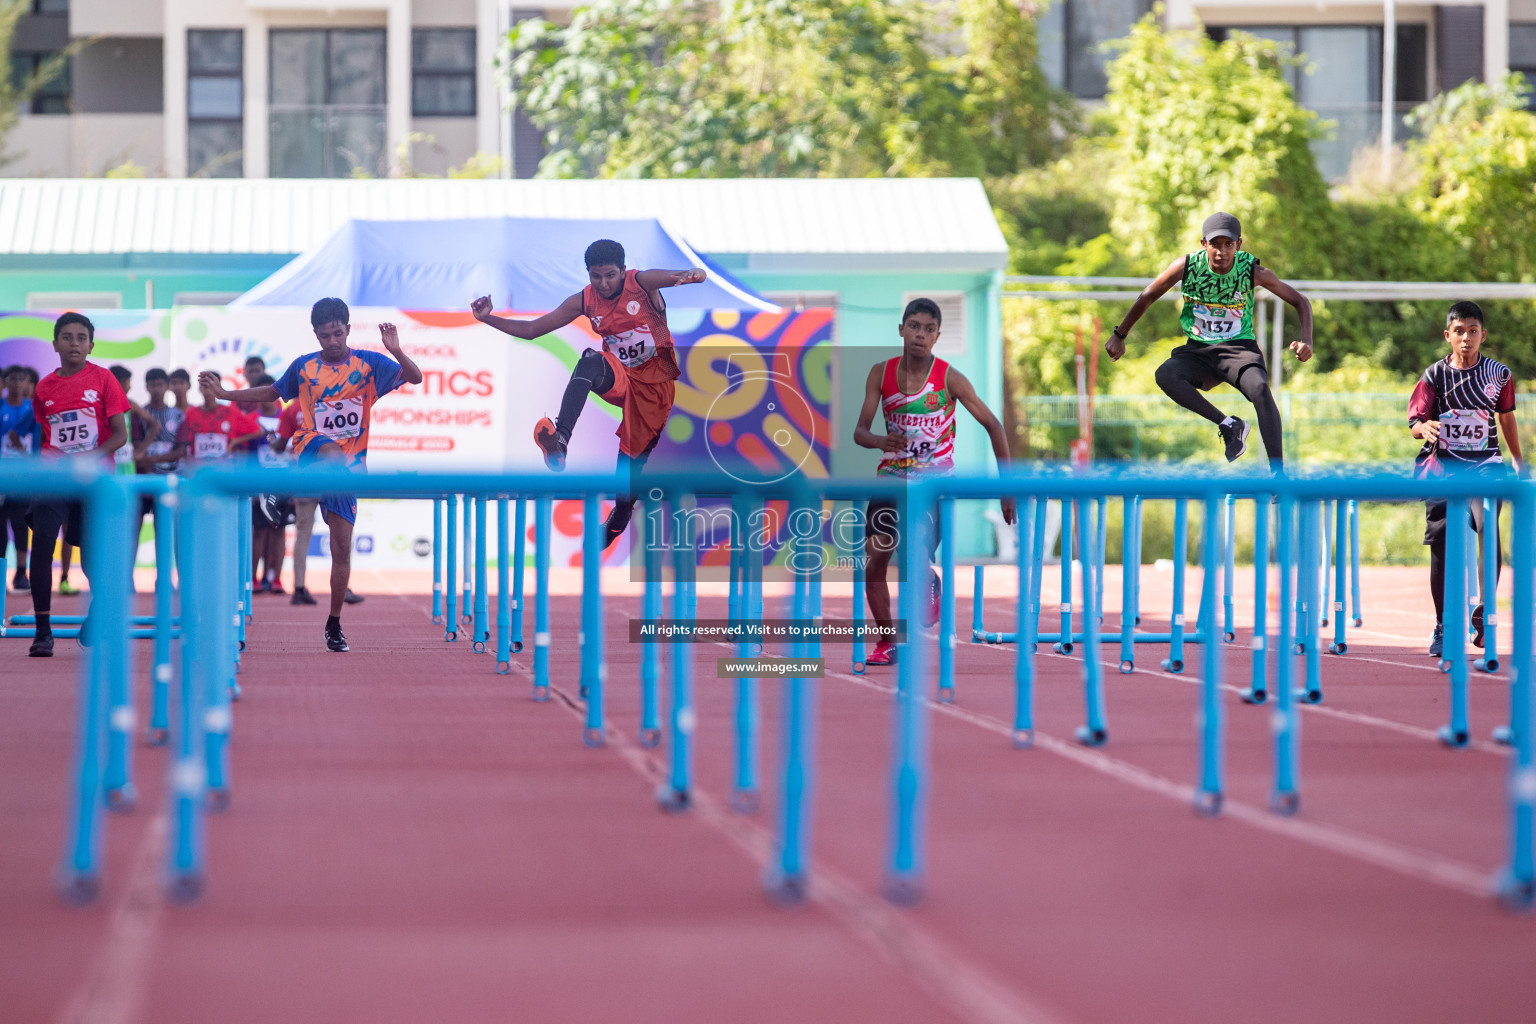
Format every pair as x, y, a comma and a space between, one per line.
74, 431
1217, 322
209, 446
341, 420
1466, 430
632, 347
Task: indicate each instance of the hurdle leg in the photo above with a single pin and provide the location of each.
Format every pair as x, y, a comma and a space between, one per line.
482, 623
947, 603
1489, 590
1136, 564
519, 556
541, 519
1457, 733
1327, 563
676, 794
1354, 561
225, 588
745, 795
860, 648
110, 655
592, 667
195, 535
1228, 568
467, 548
503, 598
1257, 692
437, 561
1098, 566
652, 527
788, 876
1024, 655
909, 775
1517, 881
1208, 797
451, 562
978, 588
1285, 722
165, 595
1037, 572
1094, 732
1340, 643
1063, 644
1127, 587
1315, 537
1175, 662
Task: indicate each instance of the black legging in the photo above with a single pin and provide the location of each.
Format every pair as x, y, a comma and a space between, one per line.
48, 520
1253, 382
13, 517
591, 375
1437, 557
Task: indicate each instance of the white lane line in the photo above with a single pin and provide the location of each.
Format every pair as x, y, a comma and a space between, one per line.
1357, 717
963, 987
112, 991
1417, 864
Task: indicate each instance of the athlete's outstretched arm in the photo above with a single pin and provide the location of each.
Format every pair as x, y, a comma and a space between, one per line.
1114, 346
562, 314
965, 394
265, 393
862, 435
1266, 278
409, 371
1511, 434
651, 280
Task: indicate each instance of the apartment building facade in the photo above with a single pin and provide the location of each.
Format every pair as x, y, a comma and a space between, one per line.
337, 88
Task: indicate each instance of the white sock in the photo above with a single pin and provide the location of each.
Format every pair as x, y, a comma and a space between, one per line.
1229, 421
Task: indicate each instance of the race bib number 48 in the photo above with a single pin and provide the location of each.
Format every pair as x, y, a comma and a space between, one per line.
341, 420
74, 431
1466, 429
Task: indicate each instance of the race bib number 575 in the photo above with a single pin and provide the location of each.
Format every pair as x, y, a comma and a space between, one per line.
73, 431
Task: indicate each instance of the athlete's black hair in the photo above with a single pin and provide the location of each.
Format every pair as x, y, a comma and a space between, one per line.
328, 310
74, 318
1465, 310
605, 252
122, 373
261, 380
256, 359
153, 374
923, 306
31, 374
179, 374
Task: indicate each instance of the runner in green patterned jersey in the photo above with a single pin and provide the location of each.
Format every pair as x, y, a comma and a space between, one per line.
1217, 283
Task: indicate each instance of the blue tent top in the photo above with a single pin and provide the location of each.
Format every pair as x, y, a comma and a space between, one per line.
523, 263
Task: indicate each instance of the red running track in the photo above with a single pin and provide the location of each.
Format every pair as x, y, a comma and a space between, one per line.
413, 839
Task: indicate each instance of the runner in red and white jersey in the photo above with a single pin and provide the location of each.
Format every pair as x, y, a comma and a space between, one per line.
81, 414
1458, 408
634, 370
917, 394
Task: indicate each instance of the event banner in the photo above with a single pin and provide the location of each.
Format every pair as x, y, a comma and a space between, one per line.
753, 399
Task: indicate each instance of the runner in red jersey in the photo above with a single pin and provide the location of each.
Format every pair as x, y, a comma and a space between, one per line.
917, 393
212, 431
634, 370
81, 412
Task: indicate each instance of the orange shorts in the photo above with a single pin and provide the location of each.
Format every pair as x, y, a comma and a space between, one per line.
646, 407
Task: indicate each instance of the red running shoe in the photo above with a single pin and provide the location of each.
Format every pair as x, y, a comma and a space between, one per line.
550, 443
883, 654
935, 599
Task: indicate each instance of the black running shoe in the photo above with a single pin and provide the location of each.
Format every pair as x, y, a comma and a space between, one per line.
1235, 437
42, 646
1437, 641
1477, 626
20, 582
301, 595
335, 640
266, 504
351, 598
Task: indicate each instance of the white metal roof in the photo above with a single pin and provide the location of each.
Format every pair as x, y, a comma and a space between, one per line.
938, 221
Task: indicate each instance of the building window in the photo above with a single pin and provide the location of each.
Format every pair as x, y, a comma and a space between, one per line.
53, 97
1072, 34
1522, 53
443, 72
215, 103
327, 101
50, 6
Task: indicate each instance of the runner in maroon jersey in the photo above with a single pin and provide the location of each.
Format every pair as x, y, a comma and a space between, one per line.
1453, 411
81, 412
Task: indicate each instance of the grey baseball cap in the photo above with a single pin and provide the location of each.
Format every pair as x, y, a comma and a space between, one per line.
1221, 225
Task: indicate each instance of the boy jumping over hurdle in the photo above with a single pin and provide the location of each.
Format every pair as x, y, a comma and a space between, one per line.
634, 370
1453, 410
917, 394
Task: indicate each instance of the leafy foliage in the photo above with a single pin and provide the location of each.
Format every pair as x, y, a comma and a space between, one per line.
15, 95
785, 88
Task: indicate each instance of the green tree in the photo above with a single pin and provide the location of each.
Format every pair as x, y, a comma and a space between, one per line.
16, 91
784, 88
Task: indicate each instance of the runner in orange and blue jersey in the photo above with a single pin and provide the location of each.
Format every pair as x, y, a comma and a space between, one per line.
336, 389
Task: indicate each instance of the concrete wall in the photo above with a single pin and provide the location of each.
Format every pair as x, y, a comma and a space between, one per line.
85, 145
116, 17
454, 141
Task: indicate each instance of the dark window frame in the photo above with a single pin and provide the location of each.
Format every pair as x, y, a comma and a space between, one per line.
238, 74
420, 73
